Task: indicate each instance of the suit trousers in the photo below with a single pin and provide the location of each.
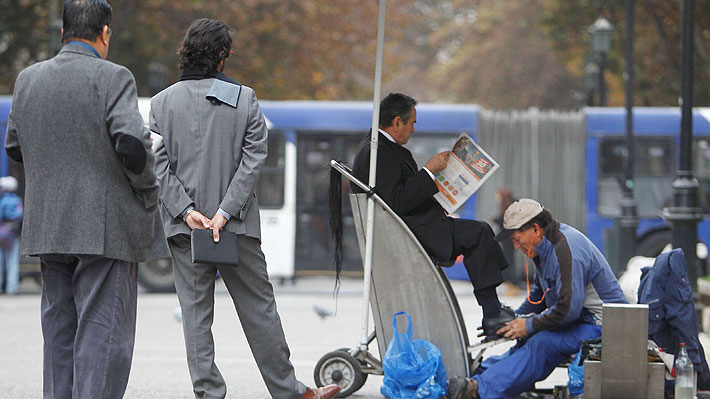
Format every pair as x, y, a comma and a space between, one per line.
482, 256
88, 324
253, 296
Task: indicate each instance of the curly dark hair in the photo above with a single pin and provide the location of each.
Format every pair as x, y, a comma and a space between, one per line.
206, 43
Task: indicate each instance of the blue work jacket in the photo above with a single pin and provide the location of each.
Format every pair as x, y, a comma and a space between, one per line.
671, 310
573, 277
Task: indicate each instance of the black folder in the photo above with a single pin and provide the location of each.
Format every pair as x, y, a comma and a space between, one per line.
206, 251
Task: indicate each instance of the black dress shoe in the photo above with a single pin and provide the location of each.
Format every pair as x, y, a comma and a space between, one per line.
492, 324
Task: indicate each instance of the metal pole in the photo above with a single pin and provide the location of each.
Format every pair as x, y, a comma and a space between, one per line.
54, 28
534, 115
685, 214
686, 131
628, 222
602, 89
629, 184
372, 178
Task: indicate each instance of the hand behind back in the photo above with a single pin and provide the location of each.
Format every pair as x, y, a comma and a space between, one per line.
216, 224
196, 220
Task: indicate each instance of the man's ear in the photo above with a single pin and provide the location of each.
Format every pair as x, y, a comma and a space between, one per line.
397, 122
105, 35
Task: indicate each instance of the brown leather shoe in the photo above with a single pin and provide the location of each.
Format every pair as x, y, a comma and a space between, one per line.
462, 388
325, 392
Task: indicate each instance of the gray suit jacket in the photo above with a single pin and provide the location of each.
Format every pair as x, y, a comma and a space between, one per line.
211, 154
90, 183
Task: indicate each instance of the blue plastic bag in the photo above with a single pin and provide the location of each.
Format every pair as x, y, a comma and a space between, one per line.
576, 376
413, 369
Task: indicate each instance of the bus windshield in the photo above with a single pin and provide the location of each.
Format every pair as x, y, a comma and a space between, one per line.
654, 171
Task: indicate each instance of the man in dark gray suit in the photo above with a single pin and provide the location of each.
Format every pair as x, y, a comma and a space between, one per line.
90, 203
208, 162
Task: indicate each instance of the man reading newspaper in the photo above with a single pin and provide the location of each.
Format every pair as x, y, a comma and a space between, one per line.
464, 173
410, 191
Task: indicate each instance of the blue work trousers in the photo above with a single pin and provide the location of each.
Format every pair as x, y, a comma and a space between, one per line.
517, 370
10, 262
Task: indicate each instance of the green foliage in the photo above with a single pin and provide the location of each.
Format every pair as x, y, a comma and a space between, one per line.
657, 46
500, 54
23, 37
495, 53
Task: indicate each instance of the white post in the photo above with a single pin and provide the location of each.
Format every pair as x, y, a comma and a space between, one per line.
373, 174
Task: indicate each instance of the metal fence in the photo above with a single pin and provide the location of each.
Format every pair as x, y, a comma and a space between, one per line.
541, 156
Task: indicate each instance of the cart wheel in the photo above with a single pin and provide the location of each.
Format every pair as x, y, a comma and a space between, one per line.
362, 364
339, 368
347, 350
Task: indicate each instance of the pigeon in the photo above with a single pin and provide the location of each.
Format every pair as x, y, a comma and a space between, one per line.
321, 312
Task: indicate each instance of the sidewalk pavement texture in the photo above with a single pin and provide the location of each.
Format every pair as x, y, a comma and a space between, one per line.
314, 323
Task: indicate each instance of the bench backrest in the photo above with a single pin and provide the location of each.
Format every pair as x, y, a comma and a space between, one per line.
405, 279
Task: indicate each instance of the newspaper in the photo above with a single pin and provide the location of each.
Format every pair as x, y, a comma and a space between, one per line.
156, 139
468, 167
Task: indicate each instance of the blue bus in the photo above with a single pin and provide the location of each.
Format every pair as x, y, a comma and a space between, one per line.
305, 135
657, 138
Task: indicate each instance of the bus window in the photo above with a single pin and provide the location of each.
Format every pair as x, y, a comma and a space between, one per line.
654, 172
270, 188
313, 242
701, 166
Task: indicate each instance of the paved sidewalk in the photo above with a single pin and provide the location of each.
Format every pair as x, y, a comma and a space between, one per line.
159, 365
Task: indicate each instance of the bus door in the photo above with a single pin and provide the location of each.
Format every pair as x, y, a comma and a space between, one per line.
314, 246
277, 203
654, 171
701, 171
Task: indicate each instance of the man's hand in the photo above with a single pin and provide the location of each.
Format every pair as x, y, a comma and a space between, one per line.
514, 329
196, 220
216, 224
437, 163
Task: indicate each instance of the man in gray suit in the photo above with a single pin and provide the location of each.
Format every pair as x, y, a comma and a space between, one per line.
90, 203
208, 162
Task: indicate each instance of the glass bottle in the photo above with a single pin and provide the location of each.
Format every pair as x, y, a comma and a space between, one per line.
684, 387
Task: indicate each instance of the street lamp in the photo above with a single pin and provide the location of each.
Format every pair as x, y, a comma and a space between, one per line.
591, 80
157, 77
627, 223
54, 28
55, 36
600, 40
685, 214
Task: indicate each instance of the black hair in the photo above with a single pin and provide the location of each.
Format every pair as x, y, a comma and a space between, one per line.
206, 43
394, 105
85, 19
335, 204
543, 219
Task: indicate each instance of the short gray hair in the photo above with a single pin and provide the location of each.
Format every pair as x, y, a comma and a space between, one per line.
394, 105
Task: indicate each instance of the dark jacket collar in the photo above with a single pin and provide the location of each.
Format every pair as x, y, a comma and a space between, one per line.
198, 74
552, 237
404, 155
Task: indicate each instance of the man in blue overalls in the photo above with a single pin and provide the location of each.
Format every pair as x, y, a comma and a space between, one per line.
10, 220
563, 308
